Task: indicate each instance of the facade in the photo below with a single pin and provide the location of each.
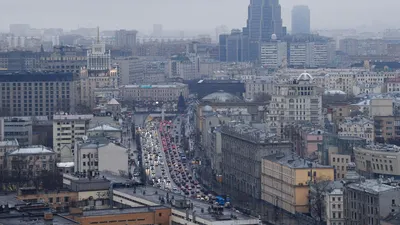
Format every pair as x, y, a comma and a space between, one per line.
99, 154
242, 150
157, 92
370, 201
301, 20
66, 129
59, 201
125, 39
95, 84
5, 148
234, 47
64, 59
334, 199
37, 94
358, 127
273, 54
299, 100
363, 47
285, 181
19, 129
305, 138
98, 58
260, 86
339, 163
31, 160
392, 85
378, 160
387, 128
19, 61
368, 88
128, 69
310, 54
184, 67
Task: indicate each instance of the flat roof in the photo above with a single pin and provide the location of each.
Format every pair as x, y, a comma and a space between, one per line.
372, 186
39, 149
197, 204
72, 117
20, 219
35, 77
105, 212
294, 161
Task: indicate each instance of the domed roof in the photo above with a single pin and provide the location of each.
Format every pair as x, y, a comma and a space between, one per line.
221, 96
207, 108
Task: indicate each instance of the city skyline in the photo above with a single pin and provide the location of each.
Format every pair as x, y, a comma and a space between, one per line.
194, 15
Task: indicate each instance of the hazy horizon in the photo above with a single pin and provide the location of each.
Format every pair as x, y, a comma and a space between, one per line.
188, 14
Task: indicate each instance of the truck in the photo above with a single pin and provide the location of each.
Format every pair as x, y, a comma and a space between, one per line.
223, 201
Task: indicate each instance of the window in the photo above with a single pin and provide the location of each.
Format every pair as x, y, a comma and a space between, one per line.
50, 200
333, 159
58, 199
66, 199
334, 215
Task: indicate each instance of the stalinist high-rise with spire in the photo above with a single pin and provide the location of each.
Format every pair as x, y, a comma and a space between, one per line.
99, 80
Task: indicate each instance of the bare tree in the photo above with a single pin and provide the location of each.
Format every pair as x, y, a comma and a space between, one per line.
317, 199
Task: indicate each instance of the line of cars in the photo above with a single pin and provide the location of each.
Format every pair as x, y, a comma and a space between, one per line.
177, 165
153, 158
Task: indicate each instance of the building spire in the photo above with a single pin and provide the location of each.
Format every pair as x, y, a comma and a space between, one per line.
98, 35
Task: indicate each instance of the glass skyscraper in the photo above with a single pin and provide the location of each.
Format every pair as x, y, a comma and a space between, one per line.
264, 19
300, 19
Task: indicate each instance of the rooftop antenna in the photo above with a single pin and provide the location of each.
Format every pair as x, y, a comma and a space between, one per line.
98, 35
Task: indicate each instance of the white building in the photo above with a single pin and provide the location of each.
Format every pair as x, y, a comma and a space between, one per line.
105, 131
66, 129
298, 100
258, 86
157, 92
99, 155
273, 54
368, 88
98, 58
334, 207
311, 54
184, 67
358, 127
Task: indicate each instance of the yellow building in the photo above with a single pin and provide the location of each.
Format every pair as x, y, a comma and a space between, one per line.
285, 181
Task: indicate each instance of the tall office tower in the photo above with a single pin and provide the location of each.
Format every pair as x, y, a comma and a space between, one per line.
98, 58
157, 30
222, 47
234, 46
300, 19
125, 38
264, 19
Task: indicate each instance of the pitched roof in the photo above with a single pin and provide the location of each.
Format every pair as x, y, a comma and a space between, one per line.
39, 149
113, 102
104, 127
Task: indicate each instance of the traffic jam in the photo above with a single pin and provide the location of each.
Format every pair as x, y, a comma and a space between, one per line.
178, 165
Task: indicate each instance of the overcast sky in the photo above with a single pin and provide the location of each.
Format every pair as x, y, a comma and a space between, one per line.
189, 14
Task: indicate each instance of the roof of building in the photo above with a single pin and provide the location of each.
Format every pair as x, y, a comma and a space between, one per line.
374, 186
72, 117
150, 86
32, 150
65, 164
113, 102
6, 76
249, 133
221, 96
150, 196
18, 218
294, 161
104, 127
334, 92
381, 147
9, 143
356, 120
105, 212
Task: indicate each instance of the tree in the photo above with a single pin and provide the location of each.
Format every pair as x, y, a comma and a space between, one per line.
262, 97
317, 199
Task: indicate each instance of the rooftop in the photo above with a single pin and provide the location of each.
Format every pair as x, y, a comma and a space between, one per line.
104, 127
9, 143
294, 161
65, 164
151, 196
375, 186
221, 96
382, 147
72, 117
106, 212
150, 86
38, 149
249, 133
6, 76
17, 218
113, 102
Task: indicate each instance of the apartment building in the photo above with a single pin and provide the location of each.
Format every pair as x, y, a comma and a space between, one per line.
31, 160
358, 127
156, 92
392, 85
60, 201
242, 150
259, 86
378, 160
298, 100
367, 88
183, 67
305, 138
387, 128
285, 181
273, 55
66, 129
64, 59
99, 154
370, 201
37, 94
339, 162
334, 200
5, 148
19, 129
